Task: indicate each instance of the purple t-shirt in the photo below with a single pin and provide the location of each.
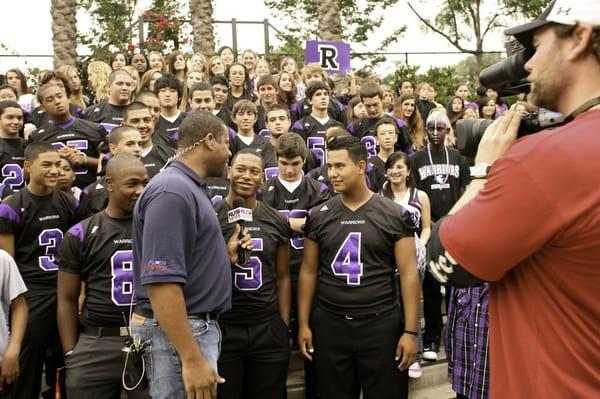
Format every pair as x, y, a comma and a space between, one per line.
177, 239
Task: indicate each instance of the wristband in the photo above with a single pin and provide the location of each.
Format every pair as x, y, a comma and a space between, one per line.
410, 333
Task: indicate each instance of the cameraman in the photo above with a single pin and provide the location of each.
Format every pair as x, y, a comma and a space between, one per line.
531, 226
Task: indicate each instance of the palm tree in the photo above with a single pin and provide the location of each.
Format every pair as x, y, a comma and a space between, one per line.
202, 23
330, 23
64, 32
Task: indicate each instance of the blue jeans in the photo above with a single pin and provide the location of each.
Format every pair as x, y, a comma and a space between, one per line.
163, 366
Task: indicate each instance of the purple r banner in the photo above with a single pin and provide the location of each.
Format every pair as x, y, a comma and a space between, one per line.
333, 57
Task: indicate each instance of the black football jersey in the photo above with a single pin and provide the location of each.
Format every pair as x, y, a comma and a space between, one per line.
157, 158
225, 115
12, 155
166, 132
441, 179
259, 145
81, 134
93, 198
302, 109
107, 115
99, 250
313, 133
218, 188
356, 254
40, 118
364, 129
254, 295
38, 225
376, 173
294, 205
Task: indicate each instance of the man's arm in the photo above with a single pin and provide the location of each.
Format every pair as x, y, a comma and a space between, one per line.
406, 260
307, 283
9, 367
7, 243
69, 286
169, 308
284, 287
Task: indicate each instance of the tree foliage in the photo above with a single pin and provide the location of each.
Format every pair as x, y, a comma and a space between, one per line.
111, 25
359, 18
164, 26
465, 24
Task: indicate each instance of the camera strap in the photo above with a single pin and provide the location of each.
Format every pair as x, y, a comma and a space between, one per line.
582, 108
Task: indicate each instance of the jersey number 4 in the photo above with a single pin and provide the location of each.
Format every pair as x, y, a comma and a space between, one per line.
347, 260
248, 277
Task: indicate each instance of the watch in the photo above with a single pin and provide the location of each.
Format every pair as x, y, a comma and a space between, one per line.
480, 171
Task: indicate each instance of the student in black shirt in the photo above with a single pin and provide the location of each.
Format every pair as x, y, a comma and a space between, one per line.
443, 174
220, 86
312, 127
245, 116
94, 198
32, 224
154, 153
12, 147
77, 139
109, 113
359, 338
98, 252
169, 91
255, 348
386, 133
371, 96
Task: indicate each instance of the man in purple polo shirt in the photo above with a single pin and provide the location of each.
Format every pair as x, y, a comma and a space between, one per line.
182, 265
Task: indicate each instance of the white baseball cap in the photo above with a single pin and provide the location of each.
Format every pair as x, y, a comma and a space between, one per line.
566, 12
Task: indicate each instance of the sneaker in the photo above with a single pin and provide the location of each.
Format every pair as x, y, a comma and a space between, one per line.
415, 371
430, 352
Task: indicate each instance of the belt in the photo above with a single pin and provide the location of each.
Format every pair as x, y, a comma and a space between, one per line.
104, 331
149, 314
358, 316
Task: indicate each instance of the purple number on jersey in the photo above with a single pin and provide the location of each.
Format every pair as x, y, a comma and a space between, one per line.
248, 277
371, 145
78, 145
317, 146
13, 175
347, 260
50, 239
122, 277
297, 240
271, 172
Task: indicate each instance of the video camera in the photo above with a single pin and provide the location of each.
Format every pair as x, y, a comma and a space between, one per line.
508, 77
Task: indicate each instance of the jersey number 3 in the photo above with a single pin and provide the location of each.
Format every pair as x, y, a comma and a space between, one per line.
347, 260
49, 239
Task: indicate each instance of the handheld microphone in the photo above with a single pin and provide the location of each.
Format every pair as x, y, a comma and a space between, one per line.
240, 214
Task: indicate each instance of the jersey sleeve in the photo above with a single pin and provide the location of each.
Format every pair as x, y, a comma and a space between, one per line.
511, 218
71, 248
312, 224
168, 236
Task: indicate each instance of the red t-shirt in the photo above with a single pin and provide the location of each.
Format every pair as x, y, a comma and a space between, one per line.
534, 232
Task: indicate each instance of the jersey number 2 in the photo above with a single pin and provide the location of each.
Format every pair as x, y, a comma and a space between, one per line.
347, 260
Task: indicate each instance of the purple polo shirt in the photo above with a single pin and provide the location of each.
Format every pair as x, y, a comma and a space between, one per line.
177, 239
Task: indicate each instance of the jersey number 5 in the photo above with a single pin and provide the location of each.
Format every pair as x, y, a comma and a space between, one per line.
248, 277
347, 260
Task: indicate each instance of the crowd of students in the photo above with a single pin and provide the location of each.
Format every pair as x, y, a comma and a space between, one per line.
69, 193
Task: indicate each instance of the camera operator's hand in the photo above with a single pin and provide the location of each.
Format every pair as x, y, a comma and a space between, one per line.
498, 137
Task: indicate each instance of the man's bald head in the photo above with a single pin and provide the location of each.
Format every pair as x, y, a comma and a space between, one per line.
121, 164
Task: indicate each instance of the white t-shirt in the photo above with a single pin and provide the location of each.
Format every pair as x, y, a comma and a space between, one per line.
11, 286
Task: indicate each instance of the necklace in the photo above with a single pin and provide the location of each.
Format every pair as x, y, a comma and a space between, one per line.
440, 179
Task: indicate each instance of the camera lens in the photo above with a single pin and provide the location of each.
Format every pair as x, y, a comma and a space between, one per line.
468, 135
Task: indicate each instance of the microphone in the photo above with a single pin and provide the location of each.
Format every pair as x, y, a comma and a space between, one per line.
240, 214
